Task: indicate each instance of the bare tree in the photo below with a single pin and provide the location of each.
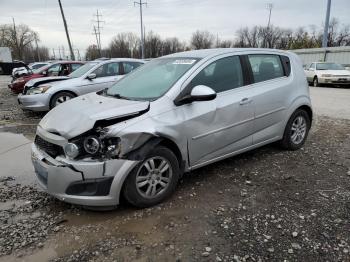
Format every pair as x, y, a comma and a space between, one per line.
202, 39
92, 52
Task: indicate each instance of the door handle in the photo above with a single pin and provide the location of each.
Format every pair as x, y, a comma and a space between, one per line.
245, 101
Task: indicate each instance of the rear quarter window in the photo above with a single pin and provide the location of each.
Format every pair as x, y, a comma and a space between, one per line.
266, 67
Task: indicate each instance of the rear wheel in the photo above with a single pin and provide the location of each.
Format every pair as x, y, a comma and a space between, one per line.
60, 98
153, 180
296, 130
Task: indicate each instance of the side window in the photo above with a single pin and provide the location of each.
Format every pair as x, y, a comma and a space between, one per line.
265, 67
110, 69
313, 66
64, 70
130, 66
53, 70
221, 75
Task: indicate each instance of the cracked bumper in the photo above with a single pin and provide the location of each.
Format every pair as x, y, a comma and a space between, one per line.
55, 176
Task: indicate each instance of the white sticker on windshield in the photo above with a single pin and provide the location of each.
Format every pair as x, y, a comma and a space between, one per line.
184, 62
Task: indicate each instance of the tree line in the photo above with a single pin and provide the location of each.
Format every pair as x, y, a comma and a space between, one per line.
128, 44
23, 43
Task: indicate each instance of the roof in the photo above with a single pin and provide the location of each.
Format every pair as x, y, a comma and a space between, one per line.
202, 53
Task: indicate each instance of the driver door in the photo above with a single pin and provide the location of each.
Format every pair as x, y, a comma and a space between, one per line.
224, 125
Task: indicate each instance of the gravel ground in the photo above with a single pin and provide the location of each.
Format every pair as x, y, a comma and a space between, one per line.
265, 205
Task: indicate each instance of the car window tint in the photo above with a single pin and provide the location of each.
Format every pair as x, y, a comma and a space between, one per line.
110, 69
221, 75
130, 66
265, 67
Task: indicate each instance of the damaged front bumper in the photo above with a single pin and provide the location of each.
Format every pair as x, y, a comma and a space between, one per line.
81, 182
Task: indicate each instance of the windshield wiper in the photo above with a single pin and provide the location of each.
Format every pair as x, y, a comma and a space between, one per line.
119, 96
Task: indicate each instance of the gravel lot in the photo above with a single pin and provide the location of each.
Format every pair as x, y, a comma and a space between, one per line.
265, 205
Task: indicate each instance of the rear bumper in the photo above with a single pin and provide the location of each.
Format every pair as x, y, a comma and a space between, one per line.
37, 102
88, 183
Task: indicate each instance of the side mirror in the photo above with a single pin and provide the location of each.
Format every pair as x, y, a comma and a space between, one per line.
91, 76
198, 93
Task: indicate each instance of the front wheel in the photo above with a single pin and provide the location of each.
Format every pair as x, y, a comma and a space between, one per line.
153, 180
296, 130
315, 82
60, 98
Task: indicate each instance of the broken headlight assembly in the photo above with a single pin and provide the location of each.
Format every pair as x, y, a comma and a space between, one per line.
96, 146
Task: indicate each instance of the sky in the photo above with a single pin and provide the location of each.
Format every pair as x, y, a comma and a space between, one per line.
168, 18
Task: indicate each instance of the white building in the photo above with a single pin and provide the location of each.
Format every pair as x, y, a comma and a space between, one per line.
339, 55
5, 55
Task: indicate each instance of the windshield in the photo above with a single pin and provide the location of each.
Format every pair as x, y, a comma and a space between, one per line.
82, 70
152, 80
329, 66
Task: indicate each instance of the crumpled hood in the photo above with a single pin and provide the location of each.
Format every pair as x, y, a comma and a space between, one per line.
334, 72
79, 115
41, 80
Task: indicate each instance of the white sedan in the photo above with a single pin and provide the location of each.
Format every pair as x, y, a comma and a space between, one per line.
319, 73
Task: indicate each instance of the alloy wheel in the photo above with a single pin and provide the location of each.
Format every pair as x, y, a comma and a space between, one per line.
298, 130
153, 177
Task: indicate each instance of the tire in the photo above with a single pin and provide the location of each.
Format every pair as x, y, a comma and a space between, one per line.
315, 82
290, 140
60, 98
137, 195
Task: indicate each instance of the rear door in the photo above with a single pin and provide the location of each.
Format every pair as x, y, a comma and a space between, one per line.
219, 127
106, 75
271, 92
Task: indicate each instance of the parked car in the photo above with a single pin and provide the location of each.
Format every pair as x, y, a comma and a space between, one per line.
61, 68
45, 93
319, 73
174, 114
25, 70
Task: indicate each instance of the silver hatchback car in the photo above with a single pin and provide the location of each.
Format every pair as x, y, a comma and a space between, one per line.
175, 114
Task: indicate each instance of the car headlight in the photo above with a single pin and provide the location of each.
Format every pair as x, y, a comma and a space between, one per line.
92, 145
71, 150
326, 75
38, 90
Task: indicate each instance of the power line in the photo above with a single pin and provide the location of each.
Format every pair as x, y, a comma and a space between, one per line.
98, 28
67, 34
140, 3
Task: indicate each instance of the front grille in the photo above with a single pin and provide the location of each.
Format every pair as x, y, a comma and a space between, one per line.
51, 149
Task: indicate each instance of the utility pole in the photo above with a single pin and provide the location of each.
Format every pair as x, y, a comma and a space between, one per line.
16, 40
326, 25
54, 55
37, 47
98, 29
269, 6
140, 3
97, 41
67, 34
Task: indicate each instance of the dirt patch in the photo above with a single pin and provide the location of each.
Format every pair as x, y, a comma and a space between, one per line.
267, 204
